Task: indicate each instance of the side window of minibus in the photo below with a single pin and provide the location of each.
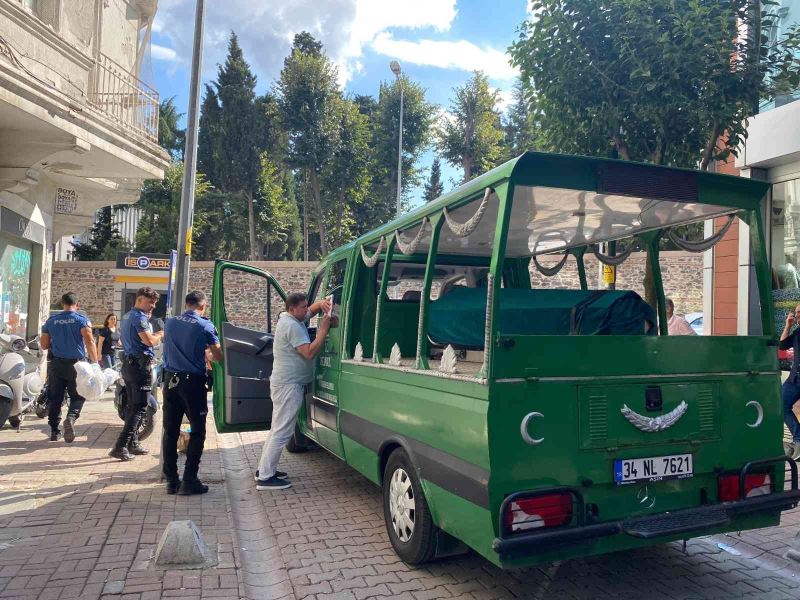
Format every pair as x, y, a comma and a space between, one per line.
312, 297
335, 287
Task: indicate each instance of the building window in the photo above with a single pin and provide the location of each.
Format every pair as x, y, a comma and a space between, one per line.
15, 279
786, 235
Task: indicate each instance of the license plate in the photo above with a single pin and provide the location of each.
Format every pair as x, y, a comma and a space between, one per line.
657, 468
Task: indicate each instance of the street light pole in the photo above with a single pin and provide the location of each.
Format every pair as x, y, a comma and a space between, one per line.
189, 166
395, 67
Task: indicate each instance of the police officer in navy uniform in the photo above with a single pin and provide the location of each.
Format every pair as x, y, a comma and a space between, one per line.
68, 337
138, 341
186, 339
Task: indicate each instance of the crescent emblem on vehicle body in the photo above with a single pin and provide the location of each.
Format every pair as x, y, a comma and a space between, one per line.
759, 410
654, 424
523, 428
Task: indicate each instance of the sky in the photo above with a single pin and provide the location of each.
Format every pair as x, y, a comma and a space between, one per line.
437, 42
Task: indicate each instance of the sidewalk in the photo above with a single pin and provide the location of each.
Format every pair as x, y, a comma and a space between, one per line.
75, 523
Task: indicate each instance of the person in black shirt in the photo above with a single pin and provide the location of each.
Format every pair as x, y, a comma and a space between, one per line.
108, 342
791, 387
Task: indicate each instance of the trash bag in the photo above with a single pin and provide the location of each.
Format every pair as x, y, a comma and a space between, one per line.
92, 381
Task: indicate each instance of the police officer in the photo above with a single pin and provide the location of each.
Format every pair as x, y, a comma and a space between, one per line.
187, 337
68, 337
138, 341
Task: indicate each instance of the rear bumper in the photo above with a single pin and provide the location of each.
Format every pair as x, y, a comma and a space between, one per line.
686, 521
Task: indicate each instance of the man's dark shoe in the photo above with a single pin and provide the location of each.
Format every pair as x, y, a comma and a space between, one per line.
192, 487
273, 483
120, 454
137, 449
281, 474
55, 435
173, 485
69, 429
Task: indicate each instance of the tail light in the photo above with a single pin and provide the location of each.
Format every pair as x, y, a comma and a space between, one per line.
525, 514
755, 484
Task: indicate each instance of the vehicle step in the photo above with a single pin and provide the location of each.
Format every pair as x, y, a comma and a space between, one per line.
676, 522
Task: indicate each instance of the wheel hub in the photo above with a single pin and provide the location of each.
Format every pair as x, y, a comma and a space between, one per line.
402, 505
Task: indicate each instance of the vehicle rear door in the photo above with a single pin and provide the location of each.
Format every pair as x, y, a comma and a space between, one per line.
245, 305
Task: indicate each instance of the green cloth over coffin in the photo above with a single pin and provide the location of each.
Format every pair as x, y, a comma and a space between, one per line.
458, 317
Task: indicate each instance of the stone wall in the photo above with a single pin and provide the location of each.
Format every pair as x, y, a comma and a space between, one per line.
94, 283
682, 273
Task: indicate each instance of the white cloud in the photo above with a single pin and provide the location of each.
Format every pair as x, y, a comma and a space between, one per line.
163, 53
459, 54
266, 28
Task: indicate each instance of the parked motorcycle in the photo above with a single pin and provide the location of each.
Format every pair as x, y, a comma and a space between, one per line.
121, 397
20, 378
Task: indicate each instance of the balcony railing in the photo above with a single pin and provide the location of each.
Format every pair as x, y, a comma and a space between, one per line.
124, 98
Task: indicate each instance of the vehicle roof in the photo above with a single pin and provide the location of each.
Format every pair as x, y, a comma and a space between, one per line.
600, 175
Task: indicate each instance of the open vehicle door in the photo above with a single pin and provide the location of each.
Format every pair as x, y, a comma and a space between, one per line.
241, 382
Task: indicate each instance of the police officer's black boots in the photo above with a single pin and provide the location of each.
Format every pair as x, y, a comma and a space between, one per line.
135, 448
55, 435
69, 429
190, 487
120, 453
173, 485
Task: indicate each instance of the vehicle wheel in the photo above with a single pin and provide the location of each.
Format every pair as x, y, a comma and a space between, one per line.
15, 422
5, 410
405, 511
146, 425
40, 406
298, 442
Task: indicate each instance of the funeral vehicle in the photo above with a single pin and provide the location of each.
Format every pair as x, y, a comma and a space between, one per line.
531, 423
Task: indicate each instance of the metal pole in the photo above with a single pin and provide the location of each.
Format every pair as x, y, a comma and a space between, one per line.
189, 166
400, 150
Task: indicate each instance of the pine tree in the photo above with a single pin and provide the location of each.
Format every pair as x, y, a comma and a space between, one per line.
434, 187
104, 240
238, 163
170, 136
209, 135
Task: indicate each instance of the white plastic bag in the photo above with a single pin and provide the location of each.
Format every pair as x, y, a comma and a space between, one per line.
92, 381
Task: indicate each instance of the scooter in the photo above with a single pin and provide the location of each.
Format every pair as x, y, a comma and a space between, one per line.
20, 378
121, 396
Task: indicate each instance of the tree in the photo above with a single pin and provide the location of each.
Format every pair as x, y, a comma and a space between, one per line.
346, 174
104, 240
660, 81
308, 96
418, 118
160, 203
470, 136
278, 224
170, 136
238, 162
434, 187
520, 124
209, 134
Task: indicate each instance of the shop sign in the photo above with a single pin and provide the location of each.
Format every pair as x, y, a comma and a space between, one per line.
143, 262
66, 201
19, 226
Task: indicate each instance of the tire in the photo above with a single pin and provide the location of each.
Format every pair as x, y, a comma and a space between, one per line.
5, 410
405, 511
298, 442
146, 425
15, 422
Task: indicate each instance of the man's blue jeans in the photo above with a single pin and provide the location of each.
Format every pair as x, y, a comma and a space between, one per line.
791, 394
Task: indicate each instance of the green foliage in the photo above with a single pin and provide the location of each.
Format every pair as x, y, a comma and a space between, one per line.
471, 135
520, 125
278, 224
170, 136
434, 186
661, 81
209, 134
418, 117
104, 240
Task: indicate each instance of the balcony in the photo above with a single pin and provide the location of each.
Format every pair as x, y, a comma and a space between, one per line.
124, 98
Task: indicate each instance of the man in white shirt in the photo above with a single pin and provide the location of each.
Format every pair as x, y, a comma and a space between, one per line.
293, 368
